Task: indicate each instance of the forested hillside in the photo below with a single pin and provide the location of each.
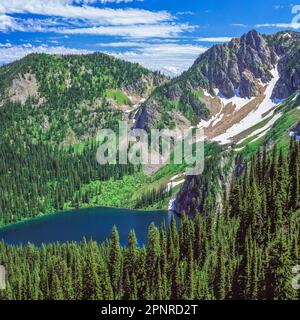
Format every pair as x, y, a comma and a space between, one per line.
68, 98
247, 252
51, 108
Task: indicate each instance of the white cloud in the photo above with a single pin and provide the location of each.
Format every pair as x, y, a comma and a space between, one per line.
5, 45
80, 17
105, 1
120, 44
169, 58
68, 17
241, 25
134, 31
67, 9
185, 13
279, 25
215, 39
8, 23
9, 52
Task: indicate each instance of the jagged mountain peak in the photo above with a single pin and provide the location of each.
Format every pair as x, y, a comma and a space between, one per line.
253, 39
224, 66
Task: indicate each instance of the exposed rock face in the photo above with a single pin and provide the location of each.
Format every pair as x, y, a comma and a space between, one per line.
248, 85
22, 88
255, 55
174, 92
225, 65
243, 67
143, 87
289, 70
296, 128
146, 116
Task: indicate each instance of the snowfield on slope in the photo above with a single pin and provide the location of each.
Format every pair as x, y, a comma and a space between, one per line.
236, 100
253, 117
263, 130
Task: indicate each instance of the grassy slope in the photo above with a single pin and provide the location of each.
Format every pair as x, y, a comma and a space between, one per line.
126, 192
118, 96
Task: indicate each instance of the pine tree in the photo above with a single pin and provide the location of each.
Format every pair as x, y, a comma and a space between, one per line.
56, 290
279, 271
91, 283
190, 276
115, 263
153, 253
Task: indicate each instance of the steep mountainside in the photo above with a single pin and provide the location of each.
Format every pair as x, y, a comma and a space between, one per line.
67, 98
50, 110
234, 67
288, 66
244, 94
229, 88
210, 190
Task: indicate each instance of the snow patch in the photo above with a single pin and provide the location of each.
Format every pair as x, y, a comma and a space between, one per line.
239, 149
287, 35
216, 121
253, 117
295, 96
176, 176
206, 124
263, 130
235, 100
171, 185
206, 94
212, 121
135, 107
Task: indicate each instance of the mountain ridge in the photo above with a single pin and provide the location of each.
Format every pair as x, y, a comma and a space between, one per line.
62, 91
223, 82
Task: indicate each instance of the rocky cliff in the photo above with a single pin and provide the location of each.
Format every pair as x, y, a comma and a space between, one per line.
227, 83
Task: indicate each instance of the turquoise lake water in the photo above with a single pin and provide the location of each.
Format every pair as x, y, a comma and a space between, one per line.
92, 223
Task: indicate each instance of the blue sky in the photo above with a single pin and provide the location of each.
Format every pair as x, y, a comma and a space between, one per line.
165, 35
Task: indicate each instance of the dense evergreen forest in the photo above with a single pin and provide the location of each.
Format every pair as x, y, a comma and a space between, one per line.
40, 178
48, 138
247, 252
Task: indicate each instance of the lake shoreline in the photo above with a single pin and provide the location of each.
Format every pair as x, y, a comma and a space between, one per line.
68, 211
90, 223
